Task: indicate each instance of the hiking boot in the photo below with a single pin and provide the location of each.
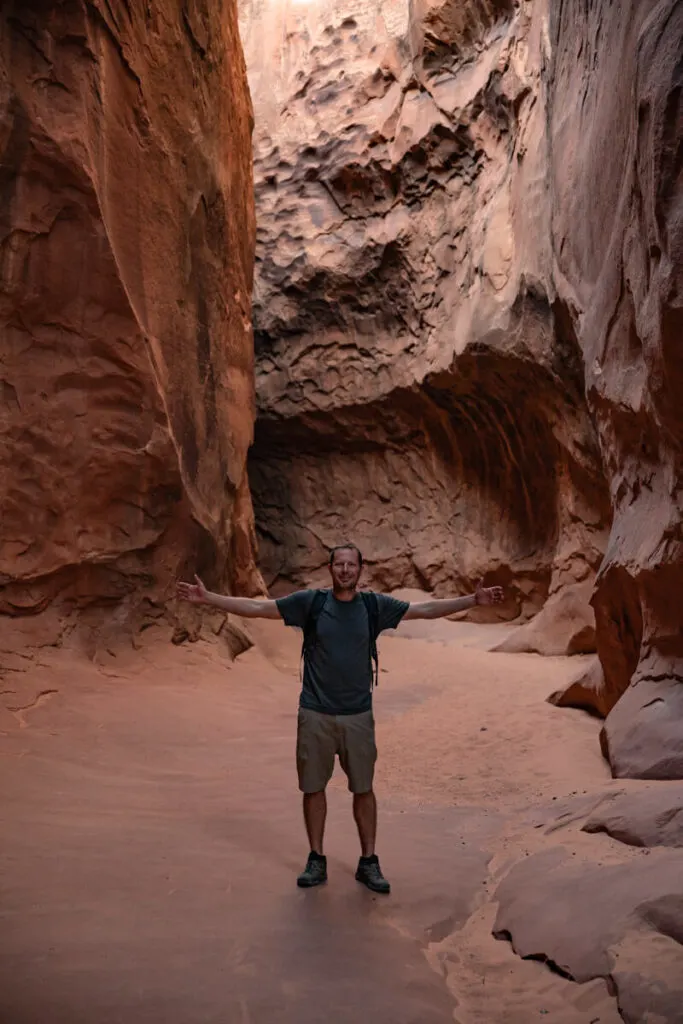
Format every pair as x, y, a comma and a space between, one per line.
315, 872
370, 874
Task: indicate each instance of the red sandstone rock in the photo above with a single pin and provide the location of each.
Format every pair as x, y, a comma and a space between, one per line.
565, 625
622, 922
127, 246
652, 816
643, 734
420, 388
454, 251
615, 126
458, 25
587, 692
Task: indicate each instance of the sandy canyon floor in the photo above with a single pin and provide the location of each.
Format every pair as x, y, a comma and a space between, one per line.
152, 835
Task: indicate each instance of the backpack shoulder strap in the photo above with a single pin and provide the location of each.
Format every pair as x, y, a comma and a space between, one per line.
372, 608
319, 598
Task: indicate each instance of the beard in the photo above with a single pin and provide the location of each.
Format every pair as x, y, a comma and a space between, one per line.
346, 584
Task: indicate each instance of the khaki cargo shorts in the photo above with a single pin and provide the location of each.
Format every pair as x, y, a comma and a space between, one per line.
320, 737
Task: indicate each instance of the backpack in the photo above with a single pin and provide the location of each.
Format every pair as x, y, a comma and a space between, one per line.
372, 609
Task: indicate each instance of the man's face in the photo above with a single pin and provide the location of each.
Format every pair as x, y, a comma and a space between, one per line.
345, 569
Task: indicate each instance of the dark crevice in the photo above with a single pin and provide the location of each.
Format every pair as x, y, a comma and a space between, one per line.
550, 964
97, 16
504, 935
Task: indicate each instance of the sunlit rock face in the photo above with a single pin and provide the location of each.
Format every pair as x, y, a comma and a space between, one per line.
420, 386
126, 348
466, 304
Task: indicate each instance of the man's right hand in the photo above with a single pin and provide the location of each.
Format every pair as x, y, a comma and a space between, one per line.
247, 607
195, 593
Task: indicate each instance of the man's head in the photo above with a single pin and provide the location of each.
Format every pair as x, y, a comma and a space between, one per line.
346, 563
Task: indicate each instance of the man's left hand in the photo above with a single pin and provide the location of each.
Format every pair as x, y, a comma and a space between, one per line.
488, 595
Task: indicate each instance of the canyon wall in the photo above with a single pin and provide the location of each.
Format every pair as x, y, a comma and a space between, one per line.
420, 384
467, 302
615, 127
126, 349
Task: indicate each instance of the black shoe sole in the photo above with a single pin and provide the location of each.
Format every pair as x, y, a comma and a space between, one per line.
368, 885
310, 885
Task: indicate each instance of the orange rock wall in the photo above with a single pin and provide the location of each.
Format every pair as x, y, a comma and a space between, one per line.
126, 272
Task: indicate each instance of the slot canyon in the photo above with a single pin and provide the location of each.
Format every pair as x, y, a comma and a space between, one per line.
282, 274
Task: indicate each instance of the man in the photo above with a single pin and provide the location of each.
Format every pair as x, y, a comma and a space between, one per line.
335, 707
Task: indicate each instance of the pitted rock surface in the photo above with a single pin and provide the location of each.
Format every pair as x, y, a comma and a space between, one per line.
420, 388
466, 308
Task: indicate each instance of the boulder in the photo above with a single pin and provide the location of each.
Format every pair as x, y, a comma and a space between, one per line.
565, 625
587, 692
622, 922
642, 737
651, 816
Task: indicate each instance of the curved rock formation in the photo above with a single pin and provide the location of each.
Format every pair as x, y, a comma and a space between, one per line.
588, 921
652, 816
587, 691
615, 88
421, 388
468, 296
126, 351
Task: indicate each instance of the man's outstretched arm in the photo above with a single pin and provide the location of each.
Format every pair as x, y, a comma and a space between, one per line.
248, 607
438, 609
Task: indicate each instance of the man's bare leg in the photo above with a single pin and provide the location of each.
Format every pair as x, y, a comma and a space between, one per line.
369, 871
315, 813
365, 815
